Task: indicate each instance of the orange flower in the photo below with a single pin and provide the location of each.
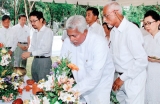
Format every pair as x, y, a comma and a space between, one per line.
1, 45
73, 67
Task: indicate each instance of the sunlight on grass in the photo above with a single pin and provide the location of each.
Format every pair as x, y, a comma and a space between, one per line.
29, 63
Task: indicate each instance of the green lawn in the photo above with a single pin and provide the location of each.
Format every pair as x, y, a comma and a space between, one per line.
29, 63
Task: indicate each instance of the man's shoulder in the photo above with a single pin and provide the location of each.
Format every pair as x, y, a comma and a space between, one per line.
16, 26
97, 25
48, 29
1, 28
92, 36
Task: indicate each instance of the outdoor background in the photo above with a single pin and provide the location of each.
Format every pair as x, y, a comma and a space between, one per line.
57, 14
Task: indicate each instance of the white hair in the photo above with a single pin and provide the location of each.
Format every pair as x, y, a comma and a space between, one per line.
113, 5
76, 21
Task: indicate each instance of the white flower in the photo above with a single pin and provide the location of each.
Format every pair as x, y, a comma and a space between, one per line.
15, 85
45, 100
69, 98
6, 59
14, 75
48, 85
41, 85
51, 79
62, 95
66, 97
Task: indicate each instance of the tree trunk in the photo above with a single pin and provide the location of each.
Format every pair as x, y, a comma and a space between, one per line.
14, 12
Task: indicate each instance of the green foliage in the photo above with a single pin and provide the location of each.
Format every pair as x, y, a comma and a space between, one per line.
136, 13
113, 98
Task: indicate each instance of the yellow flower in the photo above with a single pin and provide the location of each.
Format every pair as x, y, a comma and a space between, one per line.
3, 73
41, 81
1, 87
4, 51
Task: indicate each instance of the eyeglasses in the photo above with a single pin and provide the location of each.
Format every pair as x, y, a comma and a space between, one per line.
148, 23
106, 15
33, 21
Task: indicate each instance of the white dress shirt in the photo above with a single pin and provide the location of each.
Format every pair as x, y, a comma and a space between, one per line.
97, 29
96, 70
8, 38
129, 56
41, 42
22, 32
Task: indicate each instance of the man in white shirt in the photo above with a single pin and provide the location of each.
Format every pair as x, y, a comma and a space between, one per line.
23, 36
91, 19
90, 53
40, 47
129, 56
7, 36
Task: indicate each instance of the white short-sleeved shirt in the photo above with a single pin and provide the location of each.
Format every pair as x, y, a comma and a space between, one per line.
22, 32
8, 38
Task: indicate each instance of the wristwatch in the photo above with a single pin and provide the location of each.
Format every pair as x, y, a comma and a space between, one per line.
31, 54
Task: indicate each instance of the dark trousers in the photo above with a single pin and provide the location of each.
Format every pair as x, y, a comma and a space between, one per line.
40, 68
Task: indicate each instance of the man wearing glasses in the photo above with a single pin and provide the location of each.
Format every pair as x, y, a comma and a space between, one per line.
40, 47
128, 55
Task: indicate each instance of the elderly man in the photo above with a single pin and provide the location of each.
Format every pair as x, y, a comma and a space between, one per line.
128, 54
90, 53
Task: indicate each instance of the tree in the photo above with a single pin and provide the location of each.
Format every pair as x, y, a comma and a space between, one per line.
136, 13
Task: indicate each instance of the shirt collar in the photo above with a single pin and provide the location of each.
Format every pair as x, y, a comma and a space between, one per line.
6, 28
94, 25
42, 29
157, 34
122, 25
20, 25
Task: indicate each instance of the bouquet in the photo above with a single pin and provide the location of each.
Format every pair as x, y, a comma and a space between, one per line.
9, 81
57, 89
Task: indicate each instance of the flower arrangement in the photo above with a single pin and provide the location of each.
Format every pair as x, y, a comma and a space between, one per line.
57, 89
9, 81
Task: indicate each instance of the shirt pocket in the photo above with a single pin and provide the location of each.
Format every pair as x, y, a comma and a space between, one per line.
88, 65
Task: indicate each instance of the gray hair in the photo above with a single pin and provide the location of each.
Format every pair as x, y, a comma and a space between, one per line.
114, 6
76, 21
